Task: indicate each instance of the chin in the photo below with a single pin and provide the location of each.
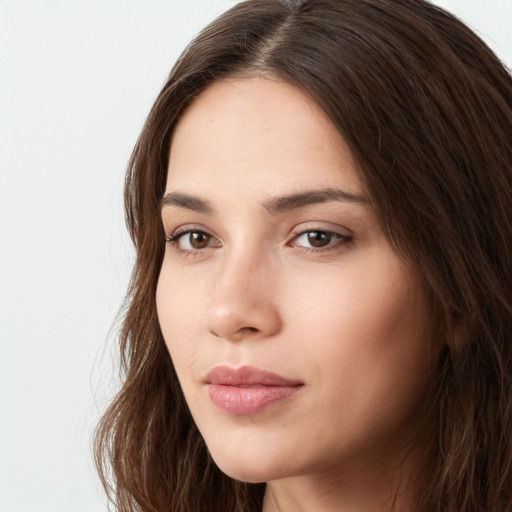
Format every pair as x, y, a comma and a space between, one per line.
246, 467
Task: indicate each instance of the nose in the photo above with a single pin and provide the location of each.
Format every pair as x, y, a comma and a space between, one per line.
244, 303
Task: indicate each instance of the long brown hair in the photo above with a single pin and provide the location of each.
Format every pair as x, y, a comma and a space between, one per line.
426, 109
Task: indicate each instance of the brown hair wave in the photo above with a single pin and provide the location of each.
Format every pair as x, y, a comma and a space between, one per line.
426, 109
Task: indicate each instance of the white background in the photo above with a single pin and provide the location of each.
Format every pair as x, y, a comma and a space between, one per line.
77, 78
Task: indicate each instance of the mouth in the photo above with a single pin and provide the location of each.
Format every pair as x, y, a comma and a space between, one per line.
247, 390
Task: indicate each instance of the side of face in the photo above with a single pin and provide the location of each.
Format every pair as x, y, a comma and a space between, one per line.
275, 261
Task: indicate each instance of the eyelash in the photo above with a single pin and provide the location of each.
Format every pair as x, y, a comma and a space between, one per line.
174, 240
340, 240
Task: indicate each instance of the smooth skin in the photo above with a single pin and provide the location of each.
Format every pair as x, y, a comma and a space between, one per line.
275, 259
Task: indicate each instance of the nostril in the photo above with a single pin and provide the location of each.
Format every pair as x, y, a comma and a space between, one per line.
233, 319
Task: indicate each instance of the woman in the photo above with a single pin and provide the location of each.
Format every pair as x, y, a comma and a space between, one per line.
320, 310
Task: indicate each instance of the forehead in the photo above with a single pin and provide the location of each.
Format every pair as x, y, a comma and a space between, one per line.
261, 133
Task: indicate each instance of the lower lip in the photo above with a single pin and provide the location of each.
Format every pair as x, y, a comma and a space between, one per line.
243, 401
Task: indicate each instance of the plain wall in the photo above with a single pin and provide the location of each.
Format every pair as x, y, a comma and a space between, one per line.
77, 78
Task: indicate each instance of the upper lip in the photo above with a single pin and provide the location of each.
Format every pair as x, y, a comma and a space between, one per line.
247, 376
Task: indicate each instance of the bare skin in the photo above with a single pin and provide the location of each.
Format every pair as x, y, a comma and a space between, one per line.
276, 261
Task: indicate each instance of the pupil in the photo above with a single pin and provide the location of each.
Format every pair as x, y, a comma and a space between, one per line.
198, 240
319, 238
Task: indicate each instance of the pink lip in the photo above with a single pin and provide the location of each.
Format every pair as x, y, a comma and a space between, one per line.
247, 390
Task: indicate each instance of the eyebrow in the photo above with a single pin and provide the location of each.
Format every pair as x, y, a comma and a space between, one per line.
273, 206
293, 201
188, 202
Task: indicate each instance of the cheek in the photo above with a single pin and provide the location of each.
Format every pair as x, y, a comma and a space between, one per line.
348, 304
367, 331
179, 315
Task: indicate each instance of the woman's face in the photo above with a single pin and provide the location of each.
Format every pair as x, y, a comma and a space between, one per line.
297, 333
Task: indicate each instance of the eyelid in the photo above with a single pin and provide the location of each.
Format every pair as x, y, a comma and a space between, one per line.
322, 226
344, 236
187, 228
173, 241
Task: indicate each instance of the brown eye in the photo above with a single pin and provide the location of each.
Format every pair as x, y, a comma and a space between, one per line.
198, 240
319, 238
190, 241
